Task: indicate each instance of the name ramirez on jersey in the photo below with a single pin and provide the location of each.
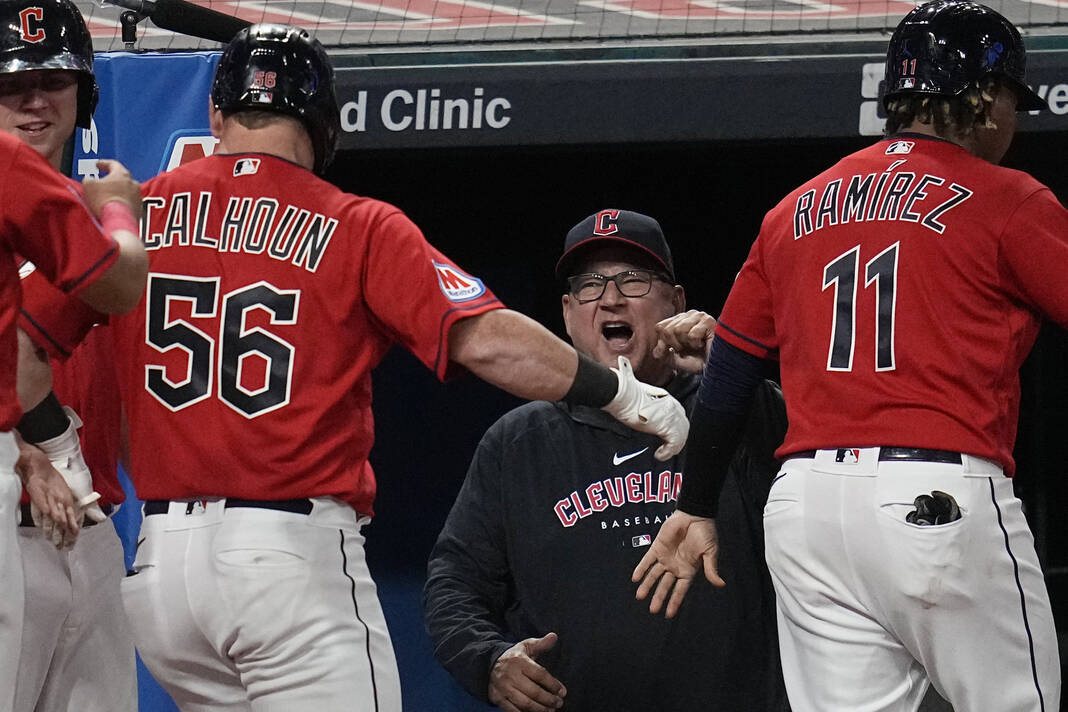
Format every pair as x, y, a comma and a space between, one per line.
890, 195
253, 226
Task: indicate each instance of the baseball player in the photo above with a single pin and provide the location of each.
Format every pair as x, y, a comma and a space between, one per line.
900, 290
560, 500
77, 651
246, 383
44, 220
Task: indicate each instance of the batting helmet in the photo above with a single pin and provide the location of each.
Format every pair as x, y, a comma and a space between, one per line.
944, 47
281, 68
49, 34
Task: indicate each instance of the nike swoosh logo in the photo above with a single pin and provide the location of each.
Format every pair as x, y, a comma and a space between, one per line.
617, 460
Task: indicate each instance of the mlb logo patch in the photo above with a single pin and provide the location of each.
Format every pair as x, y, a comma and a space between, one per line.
265, 97
246, 167
898, 148
847, 455
196, 508
457, 286
908, 83
641, 540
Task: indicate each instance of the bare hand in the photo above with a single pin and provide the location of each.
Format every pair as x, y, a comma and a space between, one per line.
671, 563
118, 184
688, 336
519, 684
50, 498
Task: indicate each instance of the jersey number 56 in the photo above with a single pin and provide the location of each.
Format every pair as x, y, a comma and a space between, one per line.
234, 343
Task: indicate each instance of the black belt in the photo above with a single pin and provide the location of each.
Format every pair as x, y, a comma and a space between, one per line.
911, 454
27, 515
296, 506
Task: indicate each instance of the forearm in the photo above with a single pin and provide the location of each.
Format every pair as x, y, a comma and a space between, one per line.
730, 379
467, 641
463, 604
468, 584
118, 290
517, 354
34, 381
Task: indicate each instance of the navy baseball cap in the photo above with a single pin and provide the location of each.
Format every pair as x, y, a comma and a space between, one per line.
620, 227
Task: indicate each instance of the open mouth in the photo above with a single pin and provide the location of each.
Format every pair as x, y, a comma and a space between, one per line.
617, 333
33, 128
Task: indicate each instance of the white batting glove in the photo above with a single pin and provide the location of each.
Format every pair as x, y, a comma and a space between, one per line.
60, 538
650, 410
65, 453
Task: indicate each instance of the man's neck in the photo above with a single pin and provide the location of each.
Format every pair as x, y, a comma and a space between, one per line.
276, 140
967, 142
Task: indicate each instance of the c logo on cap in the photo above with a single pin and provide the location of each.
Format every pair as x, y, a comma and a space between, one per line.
605, 223
36, 33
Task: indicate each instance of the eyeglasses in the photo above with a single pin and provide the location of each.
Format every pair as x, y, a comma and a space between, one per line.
630, 283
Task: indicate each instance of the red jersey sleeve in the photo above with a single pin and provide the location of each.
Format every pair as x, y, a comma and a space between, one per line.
1032, 252
53, 228
747, 320
417, 293
54, 320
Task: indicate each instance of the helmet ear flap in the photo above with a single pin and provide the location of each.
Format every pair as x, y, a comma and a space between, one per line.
88, 96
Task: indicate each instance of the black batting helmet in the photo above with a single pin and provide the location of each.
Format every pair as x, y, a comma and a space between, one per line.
49, 34
943, 47
281, 68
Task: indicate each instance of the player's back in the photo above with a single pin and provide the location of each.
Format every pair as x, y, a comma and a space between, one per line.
896, 298
254, 342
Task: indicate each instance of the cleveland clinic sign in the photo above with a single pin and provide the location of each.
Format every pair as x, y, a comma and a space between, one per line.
426, 109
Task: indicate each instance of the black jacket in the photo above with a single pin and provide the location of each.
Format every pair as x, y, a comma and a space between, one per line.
558, 506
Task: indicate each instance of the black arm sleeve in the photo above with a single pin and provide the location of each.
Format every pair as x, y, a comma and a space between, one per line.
468, 583
730, 378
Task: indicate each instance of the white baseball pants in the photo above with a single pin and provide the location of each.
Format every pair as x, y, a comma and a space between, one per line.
872, 608
264, 610
77, 648
11, 590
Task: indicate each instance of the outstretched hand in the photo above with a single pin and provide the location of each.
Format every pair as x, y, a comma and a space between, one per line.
518, 683
684, 543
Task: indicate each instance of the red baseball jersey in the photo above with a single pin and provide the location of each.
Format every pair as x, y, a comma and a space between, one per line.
901, 290
45, 221
55, 321
246, 369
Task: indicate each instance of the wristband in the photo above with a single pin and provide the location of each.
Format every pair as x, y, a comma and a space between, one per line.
594, 385
116, 215
44, 421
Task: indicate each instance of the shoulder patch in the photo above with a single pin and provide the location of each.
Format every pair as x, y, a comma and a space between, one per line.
457, 286
897, 148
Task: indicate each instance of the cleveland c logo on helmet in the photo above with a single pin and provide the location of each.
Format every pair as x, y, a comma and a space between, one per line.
31, 28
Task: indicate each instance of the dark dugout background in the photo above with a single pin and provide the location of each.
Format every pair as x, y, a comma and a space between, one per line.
502, 215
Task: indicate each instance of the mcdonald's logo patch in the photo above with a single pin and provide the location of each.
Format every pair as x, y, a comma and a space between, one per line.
456, 285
